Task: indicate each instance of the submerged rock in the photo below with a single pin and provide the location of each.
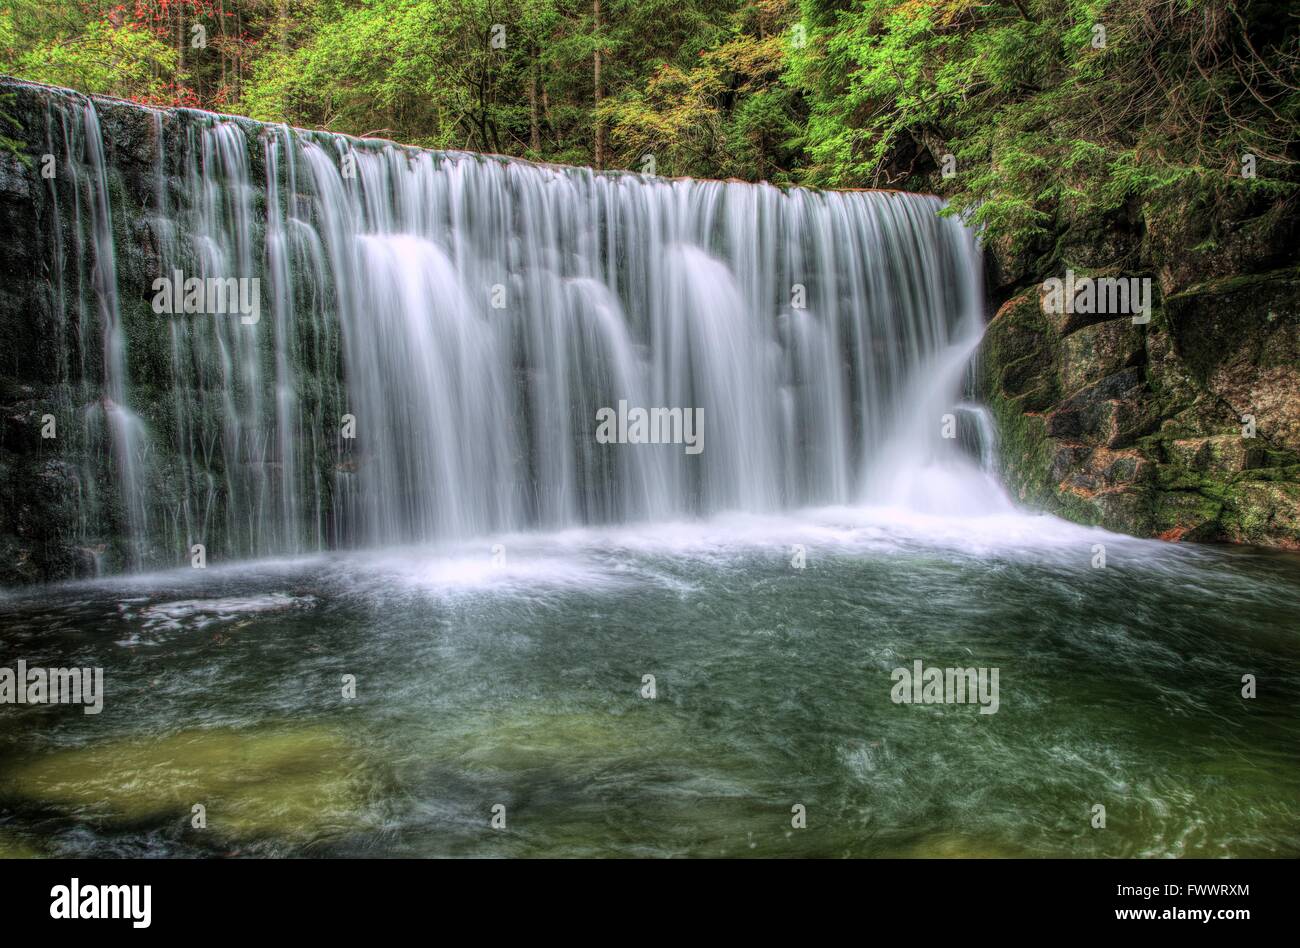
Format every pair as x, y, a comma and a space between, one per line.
291, 783
15, 847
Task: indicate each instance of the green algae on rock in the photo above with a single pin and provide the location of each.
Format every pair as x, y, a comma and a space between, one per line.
288, 782
16, 847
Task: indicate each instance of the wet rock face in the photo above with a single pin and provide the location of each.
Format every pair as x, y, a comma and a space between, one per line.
59, 517
1185, 427
1184, 243
1240, 340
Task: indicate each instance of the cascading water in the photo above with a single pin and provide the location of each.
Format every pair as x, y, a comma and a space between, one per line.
437, 332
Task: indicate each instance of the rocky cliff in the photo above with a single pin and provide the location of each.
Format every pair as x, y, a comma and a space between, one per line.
1183, 427
92, 204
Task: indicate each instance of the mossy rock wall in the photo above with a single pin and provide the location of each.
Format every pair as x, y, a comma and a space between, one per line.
61, 514
1186, 427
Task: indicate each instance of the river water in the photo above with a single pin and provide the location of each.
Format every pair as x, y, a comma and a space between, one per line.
512, 672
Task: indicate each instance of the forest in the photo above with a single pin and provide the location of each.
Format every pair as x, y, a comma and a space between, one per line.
1007, 108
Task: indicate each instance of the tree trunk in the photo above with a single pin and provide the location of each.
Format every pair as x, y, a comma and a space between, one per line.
534, 126
598, 90
222, 54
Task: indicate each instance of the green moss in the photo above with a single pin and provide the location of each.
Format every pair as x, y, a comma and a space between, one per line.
1247, 282
1185, 515
1264, 513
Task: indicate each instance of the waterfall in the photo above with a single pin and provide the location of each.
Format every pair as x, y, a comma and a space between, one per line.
438, 332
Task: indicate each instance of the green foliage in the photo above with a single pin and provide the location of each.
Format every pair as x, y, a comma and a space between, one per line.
727, 113
1040, 114
9, 124
111, 56
1045, 123
121, 61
